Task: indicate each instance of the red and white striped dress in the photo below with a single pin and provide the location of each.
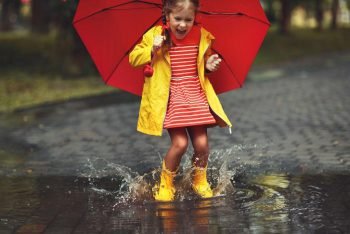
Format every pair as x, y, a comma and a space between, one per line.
187, 105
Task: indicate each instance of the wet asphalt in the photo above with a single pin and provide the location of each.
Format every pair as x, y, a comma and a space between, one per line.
290, 117
295, 113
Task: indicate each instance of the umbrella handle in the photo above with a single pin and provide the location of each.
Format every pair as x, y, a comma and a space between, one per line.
148, 69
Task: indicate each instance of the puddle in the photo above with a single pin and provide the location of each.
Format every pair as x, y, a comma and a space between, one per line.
250, 201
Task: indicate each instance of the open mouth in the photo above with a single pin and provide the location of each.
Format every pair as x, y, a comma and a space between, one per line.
181, 32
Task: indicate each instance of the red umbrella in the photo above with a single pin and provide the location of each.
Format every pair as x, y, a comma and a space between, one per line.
111, 28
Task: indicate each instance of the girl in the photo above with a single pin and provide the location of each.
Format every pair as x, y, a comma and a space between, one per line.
178, 96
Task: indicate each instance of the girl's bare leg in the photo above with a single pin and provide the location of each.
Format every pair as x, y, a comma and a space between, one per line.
199, 139
179, 143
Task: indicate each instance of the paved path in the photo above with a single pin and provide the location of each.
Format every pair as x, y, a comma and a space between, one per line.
294, 120
292, 116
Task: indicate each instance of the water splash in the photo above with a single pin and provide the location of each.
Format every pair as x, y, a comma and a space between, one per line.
121, 182
224, 180
128, 186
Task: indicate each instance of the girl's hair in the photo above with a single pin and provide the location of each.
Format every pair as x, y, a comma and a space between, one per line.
168, 5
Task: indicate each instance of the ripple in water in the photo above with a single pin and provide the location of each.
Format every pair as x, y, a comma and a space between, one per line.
129, 187
249, 199
108, 197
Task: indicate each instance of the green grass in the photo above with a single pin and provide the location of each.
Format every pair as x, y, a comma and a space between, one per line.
22, 90
29, 74
21, 50
301, 43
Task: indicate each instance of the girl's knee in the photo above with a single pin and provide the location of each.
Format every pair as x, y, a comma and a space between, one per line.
201, 147
199, 140
180, 144
179, 141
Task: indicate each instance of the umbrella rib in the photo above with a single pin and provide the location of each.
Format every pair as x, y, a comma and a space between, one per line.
128, 51
240, 84
114, 6
221, 13
232, 13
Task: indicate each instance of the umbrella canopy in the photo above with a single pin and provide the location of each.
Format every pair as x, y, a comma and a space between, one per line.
111, 28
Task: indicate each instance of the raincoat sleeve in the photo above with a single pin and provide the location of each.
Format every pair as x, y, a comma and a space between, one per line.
141, 54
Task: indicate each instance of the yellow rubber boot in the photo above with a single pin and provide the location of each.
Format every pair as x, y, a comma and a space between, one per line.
200, 184
166, 189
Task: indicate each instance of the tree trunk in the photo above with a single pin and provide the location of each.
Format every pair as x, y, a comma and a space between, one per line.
319, 14
5, 23
17, 8
40, 16
285, 16
270, 12
335, 10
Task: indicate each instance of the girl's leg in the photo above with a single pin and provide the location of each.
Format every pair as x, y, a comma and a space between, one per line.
165, 191
199, 138
179, 143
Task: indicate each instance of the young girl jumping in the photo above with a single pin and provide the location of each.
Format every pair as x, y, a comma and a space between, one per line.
178, 95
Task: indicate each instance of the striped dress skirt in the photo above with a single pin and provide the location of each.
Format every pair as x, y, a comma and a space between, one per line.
187, 105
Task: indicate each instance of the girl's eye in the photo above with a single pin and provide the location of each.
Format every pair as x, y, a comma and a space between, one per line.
187, 20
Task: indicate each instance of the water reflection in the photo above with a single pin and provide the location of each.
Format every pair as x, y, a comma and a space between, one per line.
249, 203
269, 214
18, 198
193, 216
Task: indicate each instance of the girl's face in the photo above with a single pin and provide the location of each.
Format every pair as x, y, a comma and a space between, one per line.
181, 19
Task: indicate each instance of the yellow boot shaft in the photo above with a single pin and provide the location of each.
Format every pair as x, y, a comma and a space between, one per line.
165, 191
200, 183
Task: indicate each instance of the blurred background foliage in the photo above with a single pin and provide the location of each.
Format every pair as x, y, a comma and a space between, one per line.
43, 60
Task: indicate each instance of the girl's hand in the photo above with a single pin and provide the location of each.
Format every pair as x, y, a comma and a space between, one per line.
213, 63
158, 42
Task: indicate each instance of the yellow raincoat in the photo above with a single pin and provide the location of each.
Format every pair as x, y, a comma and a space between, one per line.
156, 89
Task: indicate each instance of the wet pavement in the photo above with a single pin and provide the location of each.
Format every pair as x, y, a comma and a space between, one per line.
81, 167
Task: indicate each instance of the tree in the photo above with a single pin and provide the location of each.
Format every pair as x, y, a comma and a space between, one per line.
270, 12
40, 16
17, 9
319, 14
335, 11
5, 23
62, 18
285, 16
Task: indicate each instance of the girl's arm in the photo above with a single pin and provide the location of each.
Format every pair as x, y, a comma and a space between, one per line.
142, 52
